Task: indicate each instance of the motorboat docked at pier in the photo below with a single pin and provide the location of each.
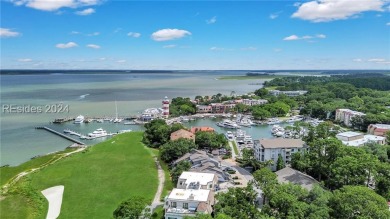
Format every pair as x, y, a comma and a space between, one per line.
98, 133
227, 123
273, 121
229, 135
79, 119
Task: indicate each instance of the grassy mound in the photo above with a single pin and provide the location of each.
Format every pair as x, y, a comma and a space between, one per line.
97, 180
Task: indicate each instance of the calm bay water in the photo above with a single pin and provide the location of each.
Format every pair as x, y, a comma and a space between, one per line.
93, 95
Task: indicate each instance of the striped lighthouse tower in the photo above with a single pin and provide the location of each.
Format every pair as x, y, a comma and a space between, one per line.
165, 107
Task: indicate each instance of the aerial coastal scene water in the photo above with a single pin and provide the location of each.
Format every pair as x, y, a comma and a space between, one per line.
194, 109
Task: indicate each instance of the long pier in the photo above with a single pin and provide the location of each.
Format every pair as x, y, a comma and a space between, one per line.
60, 134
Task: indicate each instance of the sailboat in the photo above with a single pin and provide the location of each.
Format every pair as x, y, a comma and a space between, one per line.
116, 120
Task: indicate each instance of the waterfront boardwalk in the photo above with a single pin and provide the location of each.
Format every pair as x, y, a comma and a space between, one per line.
60, 134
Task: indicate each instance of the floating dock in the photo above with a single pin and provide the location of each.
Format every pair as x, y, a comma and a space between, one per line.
60, 134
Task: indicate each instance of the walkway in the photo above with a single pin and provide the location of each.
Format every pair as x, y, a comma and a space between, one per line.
161, 179
20, 175
234, 155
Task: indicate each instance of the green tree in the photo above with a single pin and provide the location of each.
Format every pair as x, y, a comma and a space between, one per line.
174, 149
248, 160
260, 113
157, 133
177, 170
382, 180
280, 163
210, 140
133, 208
262, 92
358, 202
378, 150
238, 203
266, 180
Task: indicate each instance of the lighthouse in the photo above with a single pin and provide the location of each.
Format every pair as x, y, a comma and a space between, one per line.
165, 107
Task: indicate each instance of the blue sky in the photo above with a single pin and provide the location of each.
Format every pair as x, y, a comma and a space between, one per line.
96, 34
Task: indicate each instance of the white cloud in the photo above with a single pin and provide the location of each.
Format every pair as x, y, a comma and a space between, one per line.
306, 37
102, 59
24, 60
74, 32
357, 60
85, 12
4, 32
388, 23
250, 48
297, 4
292, 37
277, 50
133, 34
274, 15
376, 60
93, 34
169, 46
321, 36
214, 48
212, 20
93, 46
121, 61
169, 34
66, 45
53, 5
330, 10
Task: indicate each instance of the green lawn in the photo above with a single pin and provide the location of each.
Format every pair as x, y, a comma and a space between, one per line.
235, 148
98, 180
168, 185
6, 173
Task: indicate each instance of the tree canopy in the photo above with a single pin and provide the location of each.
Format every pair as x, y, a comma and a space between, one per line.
172, 150
133, 208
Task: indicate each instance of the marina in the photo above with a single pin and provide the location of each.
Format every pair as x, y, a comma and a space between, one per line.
60, 134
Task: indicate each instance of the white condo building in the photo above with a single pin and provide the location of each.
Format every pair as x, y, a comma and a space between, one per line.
165, 107
359, 139
194, 194
269, 149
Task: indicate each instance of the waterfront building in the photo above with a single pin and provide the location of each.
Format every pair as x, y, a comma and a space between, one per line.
288, 93
221, 108
270, 149
182, 133
203, 109
252, 102
201, 129
165, 107
378, 129
345, 116
194, 195
359, 139
150, 114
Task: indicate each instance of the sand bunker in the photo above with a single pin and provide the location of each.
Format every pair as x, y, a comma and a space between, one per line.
54, 196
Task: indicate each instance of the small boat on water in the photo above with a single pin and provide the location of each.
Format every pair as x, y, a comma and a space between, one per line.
294, 119
130, 123
67, 131
229, 135
273, 121
227, 123
79, 119
100, 120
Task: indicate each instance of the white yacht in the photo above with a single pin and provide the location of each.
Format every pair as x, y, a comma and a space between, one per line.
79, 119
98, 133
227, 123
229, 135
294, 119
273, 121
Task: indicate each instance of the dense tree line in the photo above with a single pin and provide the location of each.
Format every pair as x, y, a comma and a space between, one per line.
181, 106
337, 165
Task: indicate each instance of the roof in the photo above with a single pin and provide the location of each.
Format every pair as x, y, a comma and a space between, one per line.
181, 133
202, 178
381, 126
349, 134
281, 143
288, 174
184, 194
374, 138
202, 129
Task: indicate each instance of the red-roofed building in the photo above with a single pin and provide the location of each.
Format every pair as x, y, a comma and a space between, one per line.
182, 134
201, 129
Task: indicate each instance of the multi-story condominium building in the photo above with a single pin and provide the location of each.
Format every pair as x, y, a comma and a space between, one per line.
378, 129
203, 109
270, 149
221, 108
359, 139
345, 116
194, 194
288, 93
251, 102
